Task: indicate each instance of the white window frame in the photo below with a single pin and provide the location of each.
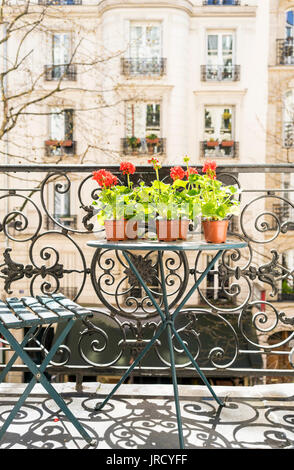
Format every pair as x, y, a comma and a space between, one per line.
70, 51
133, 23
145, 102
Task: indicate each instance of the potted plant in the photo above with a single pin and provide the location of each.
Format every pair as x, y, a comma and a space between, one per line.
174, 204
58, 143
151, 141
134, 143
217, 204
227, 118
117, 204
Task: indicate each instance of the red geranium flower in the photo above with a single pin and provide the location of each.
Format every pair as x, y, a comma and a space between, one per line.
104, 178
127, 168
156, 163
191, 171
209, 166
177, 173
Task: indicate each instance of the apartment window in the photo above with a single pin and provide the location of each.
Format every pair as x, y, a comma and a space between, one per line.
145, 50
143, 127
220, 57
219, 132
145, 40
142, 119
221, 2
290, 24
60, 2
61, 132
61, 56
288, 119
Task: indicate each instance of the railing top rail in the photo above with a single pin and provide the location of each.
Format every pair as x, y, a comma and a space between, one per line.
76, 168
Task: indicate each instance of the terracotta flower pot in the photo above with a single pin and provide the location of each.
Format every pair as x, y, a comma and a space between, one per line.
183, 232
115, 230
215, 231
122, 229
212, 143
131, 229
227, 143
171, 230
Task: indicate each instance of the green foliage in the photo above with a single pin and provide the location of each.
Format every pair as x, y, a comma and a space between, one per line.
116, 203
216, 200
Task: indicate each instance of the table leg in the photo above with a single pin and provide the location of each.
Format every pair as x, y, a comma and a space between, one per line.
204, 379
99, 406
169, 323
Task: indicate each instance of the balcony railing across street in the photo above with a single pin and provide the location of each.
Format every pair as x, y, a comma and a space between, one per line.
239, 303
143, 66
221, 2
219, 149
142, 146
220, 72
60, 72
285, 51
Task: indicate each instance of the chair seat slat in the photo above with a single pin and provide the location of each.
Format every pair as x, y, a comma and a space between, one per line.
46, 315
39, 310
8, 318
21, 312
72, 306
55, 307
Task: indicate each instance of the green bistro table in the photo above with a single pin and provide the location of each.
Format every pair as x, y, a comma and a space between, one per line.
167, 317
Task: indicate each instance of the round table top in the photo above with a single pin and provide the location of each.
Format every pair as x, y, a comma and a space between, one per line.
192, 243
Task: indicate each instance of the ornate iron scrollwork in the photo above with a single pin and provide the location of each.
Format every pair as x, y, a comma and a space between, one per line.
125, 318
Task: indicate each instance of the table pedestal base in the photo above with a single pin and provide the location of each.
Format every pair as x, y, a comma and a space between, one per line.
168, 325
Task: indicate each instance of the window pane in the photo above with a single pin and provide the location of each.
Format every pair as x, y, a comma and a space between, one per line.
142, 118
136, 119
57, 124
218, 123
145, 41
61, 48
136, 39
227, 43
153, 41
212, 49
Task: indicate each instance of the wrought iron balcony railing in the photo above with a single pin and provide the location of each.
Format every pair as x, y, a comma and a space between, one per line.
221, 2
142, 146
57, 72
229, 325
216, 73
216, 149
285, 51
288, 134
59, 147
143, 67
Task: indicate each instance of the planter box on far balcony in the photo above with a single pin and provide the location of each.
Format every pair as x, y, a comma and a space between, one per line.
60, 147
212, 143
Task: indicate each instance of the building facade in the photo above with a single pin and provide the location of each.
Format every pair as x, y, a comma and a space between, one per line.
111, 81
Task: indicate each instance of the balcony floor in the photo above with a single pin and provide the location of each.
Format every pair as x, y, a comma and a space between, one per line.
259, 417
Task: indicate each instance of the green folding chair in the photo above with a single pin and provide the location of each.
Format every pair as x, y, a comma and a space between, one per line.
34, 312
